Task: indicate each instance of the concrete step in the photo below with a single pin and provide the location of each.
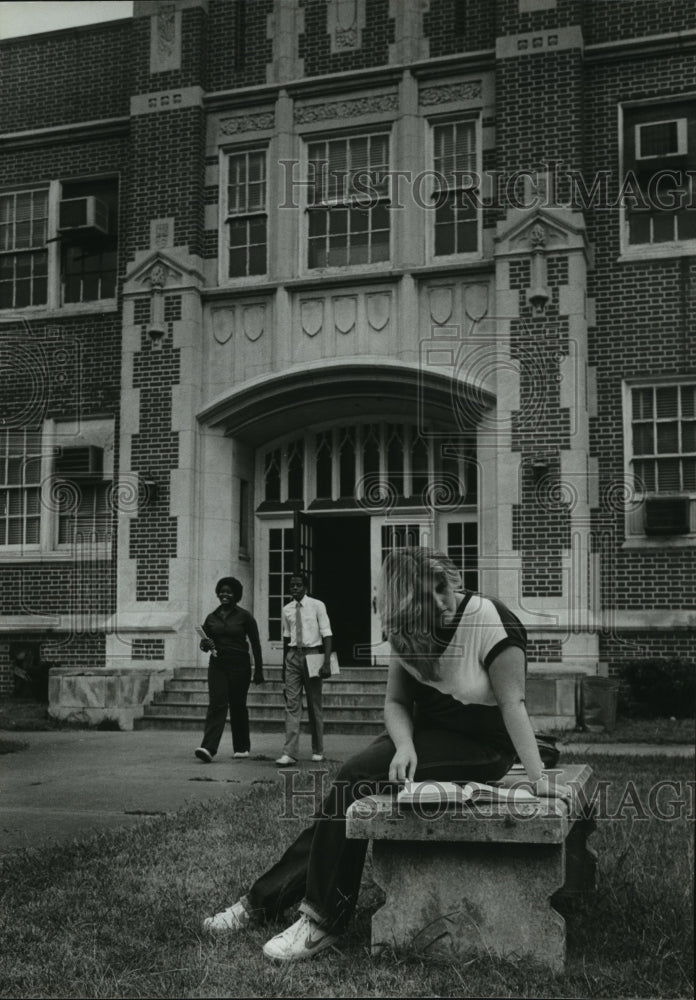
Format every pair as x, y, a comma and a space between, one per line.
335, 713
187, 690
183, 699
348, 674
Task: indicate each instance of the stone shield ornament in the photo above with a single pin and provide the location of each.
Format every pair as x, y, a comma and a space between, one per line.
378, 310
254, 321
312, 312
345, 311
441, 304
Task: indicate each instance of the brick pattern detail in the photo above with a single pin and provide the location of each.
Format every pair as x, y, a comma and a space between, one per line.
315, 42
147, 649
32, 66
645, 323
6, 682
459, 26
193, 48
170, 179
544, 650
540, 429
512, 22
606, 22
83, 649
155, 452
238, 64
625, 646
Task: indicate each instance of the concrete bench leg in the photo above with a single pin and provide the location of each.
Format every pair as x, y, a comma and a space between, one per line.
464, 899
581, 859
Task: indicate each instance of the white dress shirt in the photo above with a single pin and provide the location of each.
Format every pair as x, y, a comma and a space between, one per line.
315, 621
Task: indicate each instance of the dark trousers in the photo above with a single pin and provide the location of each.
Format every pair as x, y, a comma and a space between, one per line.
228, 685
322, 868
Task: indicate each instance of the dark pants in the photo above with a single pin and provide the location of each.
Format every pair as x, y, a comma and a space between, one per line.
228, 685
322, 868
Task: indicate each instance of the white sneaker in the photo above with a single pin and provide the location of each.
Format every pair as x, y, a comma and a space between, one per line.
285, 760
241, 753
302, 940
204, 755
234, 918
316, 757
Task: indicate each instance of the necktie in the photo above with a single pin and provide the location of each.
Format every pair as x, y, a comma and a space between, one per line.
298, 626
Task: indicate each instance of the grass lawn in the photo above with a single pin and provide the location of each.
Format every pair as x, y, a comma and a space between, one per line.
119, 915
658, 731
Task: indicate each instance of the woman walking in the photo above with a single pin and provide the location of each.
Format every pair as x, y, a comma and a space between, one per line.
454, 710
229, 631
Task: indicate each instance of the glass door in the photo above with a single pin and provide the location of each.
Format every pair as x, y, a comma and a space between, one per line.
386, 535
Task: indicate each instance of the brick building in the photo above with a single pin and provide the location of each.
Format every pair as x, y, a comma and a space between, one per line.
309, 279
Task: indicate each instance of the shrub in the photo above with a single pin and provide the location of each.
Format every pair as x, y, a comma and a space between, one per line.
654, 688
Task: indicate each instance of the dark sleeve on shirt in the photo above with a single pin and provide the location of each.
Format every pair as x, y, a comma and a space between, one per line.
515, 633
252, 630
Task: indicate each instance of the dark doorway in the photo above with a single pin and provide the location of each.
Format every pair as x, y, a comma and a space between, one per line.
341, 547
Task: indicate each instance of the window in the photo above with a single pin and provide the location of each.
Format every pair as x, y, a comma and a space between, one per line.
88, 224
20, 488
456, 221
662, 447
246, 213
23, 255
663, 423
348, 212
58, 244
357, 463
55, 488
658, 196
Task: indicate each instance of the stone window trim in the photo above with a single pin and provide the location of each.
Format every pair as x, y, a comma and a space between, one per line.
635, 118
436, 126
352, 205
68, 272
254, 216
59, 517
642, 463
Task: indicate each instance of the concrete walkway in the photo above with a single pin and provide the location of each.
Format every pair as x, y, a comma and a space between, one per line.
70, 784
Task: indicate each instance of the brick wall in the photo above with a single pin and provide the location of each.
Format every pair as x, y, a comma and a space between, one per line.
459, 26
60, 78
604, 22
645, 645
645, 327
234, 61
154, 453
315, 42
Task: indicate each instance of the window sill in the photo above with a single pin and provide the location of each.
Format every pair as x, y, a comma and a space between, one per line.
660, 543
90, 554
660, 251
70, 309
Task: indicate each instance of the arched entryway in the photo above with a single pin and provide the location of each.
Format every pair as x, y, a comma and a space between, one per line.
349, 462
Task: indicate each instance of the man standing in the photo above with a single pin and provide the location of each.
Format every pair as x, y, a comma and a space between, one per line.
306, 629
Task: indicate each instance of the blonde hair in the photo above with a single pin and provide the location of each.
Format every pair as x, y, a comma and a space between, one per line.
407, 606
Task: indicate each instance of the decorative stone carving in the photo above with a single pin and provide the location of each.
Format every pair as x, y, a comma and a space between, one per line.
537, 237
223, 324
345, 309
165, 39
444, 93
345, 20
166, 31
161, 233
254, 321
312, 313
353, 108
440, 303
247, 123
476, 301
378, 310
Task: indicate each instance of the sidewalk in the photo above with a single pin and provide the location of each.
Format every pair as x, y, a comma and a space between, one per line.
70, 784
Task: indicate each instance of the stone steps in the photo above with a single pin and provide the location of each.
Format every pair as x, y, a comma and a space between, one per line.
353, 702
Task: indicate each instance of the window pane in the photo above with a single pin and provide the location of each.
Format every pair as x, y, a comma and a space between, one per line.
668, 438
688, 400
689, 473
645, 476
689, 435
257, 260
642, 403
643, 441
668, 475
667, 400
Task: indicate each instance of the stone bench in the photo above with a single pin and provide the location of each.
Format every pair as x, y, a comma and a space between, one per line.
464, 880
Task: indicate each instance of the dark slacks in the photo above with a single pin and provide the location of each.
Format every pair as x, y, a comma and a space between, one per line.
228, 686
322, 868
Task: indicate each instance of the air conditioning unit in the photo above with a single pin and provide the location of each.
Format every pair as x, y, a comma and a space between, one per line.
655, 140
667, 516
87, 460
83, 214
